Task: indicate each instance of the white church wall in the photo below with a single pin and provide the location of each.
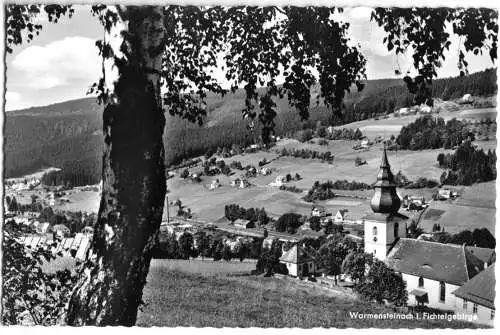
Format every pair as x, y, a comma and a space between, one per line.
432, 288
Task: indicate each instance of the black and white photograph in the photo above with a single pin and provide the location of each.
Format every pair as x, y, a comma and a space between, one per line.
249, 165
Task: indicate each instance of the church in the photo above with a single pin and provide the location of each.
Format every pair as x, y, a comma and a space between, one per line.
433, 272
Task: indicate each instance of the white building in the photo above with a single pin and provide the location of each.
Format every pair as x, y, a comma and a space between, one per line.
265, 171
318, 211
467, 98
299, 262
340, 216
214, 184
279, 180
444, 193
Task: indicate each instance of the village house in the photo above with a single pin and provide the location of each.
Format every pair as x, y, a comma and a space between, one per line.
444, 194
240, 223
298, 262
467, 98
432, 271
318, 211
340, 216
214, 184
279, 180
265, 171
477, 297
240, 182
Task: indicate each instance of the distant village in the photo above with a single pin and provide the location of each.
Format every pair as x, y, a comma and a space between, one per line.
318, 247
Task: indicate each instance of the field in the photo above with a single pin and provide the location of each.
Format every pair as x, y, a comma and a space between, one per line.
175, 298
475, 208
209, 204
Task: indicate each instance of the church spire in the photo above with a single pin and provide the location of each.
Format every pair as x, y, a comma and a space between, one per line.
385, 199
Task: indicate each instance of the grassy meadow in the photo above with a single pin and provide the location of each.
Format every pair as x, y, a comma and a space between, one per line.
184, 297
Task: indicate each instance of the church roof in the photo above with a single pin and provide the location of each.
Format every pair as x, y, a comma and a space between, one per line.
450, 263
296, 255
480, 289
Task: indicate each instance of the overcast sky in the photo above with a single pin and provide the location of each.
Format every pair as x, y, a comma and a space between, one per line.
62, 62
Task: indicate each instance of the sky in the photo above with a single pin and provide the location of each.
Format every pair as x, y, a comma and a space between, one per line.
62, 62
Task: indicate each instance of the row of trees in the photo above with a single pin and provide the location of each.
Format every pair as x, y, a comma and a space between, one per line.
339, 134
467, 165
479, 237
203, 245
307, 153
233, 212
428, 132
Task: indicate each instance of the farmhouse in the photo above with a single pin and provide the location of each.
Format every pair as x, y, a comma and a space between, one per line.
467, 98
280, 180
444, 194
340, 216
298, 262
214, 184
318, 211
432, 271
240, 183
240, 223
265, 171
477, 296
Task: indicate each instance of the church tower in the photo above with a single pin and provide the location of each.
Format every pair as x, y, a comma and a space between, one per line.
385, 225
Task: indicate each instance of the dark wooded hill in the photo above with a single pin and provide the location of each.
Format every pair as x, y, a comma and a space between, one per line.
69, 134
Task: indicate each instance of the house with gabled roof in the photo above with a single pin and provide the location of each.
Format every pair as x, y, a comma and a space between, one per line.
299, 262
340, 216
477, 297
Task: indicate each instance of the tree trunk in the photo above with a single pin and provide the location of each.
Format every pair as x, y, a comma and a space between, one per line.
109, 290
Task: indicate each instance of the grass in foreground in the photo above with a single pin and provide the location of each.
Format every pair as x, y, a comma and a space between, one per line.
175, 299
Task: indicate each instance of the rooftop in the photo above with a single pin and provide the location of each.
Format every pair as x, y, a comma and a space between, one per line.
450, 263
296, 255
480, 289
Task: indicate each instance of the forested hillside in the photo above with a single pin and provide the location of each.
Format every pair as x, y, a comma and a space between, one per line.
68, 134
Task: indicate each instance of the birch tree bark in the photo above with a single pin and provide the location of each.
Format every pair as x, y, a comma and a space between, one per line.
134, 184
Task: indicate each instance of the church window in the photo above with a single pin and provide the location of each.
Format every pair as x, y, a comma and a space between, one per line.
375, 231
474, 309
442, 291
464, 306
421, 282
492, 314
396, 230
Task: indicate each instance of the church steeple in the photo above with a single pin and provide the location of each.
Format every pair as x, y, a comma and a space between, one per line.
385, 199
